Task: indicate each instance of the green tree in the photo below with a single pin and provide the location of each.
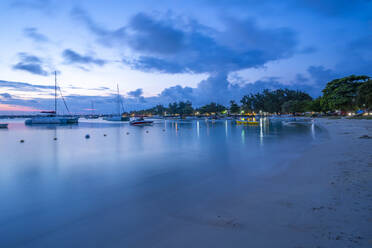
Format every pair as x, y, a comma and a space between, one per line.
185, 108
315, 105
272, 101
158, 110
172, 108
211, 108
248, 103
364, 95
341, 94
294, 106
234, 108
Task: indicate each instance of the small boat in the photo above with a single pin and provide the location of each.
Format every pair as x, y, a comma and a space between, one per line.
250, 120
51, 117
140, 121
116, 118
120, 109
92, 115
3, 125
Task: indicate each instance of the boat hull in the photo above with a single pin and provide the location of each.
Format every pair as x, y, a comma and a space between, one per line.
247, 122
141, 123
52, 120
116, 118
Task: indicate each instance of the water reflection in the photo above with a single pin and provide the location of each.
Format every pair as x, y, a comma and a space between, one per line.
123, 182
197, 129
261, 131
226, 122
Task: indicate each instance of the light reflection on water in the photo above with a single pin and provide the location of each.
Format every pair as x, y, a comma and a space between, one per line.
48, 185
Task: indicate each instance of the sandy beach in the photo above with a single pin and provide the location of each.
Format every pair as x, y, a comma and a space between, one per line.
324, 199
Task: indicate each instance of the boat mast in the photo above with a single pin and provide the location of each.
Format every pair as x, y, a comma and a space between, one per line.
55, 92
92, 108
118, 99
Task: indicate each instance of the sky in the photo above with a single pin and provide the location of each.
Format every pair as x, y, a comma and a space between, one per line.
161, 51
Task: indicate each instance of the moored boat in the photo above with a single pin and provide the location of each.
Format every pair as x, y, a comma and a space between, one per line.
92, 115
116, 118
141, 121
3, 125
249, 120
51, 117
52, 120
120, 108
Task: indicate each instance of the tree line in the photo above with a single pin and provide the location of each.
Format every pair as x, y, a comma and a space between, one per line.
345, 94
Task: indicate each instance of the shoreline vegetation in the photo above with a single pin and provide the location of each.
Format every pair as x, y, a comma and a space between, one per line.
348, 96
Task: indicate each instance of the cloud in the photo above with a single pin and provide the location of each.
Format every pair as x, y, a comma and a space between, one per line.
20, 86
155, 36
33, 34
242, 44
5, 96
136, 93
177, 93
72, 57
166, 44
105, 36
357, 56
31, 64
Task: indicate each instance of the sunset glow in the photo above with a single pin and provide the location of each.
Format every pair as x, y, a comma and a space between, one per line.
17, 108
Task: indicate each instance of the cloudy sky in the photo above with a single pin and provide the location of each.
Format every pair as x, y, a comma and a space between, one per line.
169, 50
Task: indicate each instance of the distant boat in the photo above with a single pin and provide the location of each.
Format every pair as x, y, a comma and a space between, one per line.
120, 107
140, 121
92, 115
51, 117
250, 120
3, 125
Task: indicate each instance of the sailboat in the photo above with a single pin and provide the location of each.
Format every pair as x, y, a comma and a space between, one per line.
119, 116
51, 117
92, 115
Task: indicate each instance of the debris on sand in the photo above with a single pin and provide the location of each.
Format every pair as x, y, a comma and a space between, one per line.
365, 137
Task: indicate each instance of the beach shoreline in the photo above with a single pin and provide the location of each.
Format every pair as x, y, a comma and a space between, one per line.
322, 199
326, 193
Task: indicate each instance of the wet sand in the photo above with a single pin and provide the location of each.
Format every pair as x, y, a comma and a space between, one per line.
323, 199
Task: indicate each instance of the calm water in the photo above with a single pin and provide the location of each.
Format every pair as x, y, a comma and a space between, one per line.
123, 189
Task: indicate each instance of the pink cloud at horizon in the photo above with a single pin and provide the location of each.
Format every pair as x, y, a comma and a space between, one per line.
10, 107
